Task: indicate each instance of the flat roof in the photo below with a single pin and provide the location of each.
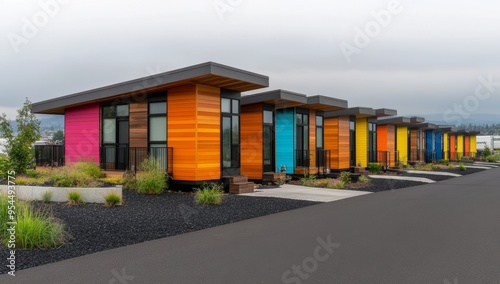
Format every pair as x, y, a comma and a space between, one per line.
324, 103
385, 112
352, 111
209, 73
425, 126
279, 98
394, 120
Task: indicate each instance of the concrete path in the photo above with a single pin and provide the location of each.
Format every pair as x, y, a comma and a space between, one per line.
480, 167
419, 179
444, 232
306, 193
434, 173
493, 165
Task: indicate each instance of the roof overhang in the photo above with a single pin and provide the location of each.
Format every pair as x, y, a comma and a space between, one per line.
279, 98
394, 120
210, 73
447, 128
358, 112
381, 112
425, 126
324, 103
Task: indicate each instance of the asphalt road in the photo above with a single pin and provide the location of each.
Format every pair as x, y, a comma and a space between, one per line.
445, 232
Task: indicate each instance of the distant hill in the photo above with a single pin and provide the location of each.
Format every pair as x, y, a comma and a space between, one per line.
47, 122
455, 119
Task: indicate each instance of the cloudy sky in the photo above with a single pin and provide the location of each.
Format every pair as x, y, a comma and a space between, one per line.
414, 56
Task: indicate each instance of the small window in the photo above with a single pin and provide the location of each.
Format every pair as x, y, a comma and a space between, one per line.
268, 117
158, 108
236, 106
108, 112
226, 105
122, 110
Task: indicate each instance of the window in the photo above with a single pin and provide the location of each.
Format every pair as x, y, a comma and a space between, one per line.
319, 132
157, 110
352, 141
372, 142
268, 141
230, 109
302, 138
115, 135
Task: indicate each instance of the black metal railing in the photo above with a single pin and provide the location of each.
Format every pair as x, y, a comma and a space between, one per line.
323, 161
130, 158
416, 156
303, 159
388, 159
49, 155
430, 156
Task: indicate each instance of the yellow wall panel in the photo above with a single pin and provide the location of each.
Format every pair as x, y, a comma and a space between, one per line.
362, 142
402, 144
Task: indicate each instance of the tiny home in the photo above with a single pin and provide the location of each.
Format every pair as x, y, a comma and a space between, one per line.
283, 131
188, 118
353, 139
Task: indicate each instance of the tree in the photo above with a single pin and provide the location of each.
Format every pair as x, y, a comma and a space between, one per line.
58, 136
19, 147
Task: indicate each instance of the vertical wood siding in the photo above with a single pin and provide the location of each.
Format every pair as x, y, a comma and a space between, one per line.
312, 138
138, 120
251, 141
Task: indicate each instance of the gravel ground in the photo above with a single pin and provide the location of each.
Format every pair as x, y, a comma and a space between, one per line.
95, 227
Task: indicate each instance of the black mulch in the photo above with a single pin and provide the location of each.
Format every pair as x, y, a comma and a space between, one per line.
95, 227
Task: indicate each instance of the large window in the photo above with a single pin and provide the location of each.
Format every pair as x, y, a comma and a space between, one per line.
230, 109
319, 132
372, 142
302, 138
158, 129
352, 141
268, 141
115, 135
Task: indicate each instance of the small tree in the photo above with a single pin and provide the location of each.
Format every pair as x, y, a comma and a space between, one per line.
486, 152
58, 136
19, 147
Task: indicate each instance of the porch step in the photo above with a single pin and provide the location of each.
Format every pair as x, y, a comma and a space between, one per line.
305, 170
238, 179
241, 187
271, 177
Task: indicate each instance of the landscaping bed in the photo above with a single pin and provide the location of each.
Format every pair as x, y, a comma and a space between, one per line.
95, 228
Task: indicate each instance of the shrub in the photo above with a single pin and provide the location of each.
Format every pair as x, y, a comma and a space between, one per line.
308, 180
435, 166
363, 179
322, 182
462, 167
26, 181
47, 196
451, 167
154, 179
33, 173
34, 229
5, 166
375, 168
486, 152
112, 199
209, 193
113, 180
71, 177
491, 158
345, 177
74, 198
336, 184
444, 162
90, 168
129, 180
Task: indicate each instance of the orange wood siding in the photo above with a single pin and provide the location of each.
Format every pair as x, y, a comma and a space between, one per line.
194, 132
312, 138
391, 138
382, 138
337, 140
138, 120
453, 148
467, 146
251, 141
413, 140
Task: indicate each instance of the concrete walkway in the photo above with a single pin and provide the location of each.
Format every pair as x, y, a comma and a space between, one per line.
433, 173
419, 179
493, 165
445, 232
306, 193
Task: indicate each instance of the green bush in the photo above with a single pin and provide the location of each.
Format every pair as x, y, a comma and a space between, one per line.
5, 166
336, 184
90, 168
153, 179
363, 179
486, 152
47, 196
308, 180
462, 167
451, 166
209, 194
35, 229
345, 177
74, 198
129, 180
375, 168
112, 199
444, 162
33, 174
71, 177
491, 158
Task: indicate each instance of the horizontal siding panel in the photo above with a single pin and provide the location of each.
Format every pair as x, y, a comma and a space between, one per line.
82, 137
251, 141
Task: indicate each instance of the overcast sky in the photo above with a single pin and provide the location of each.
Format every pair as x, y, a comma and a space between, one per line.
418, 57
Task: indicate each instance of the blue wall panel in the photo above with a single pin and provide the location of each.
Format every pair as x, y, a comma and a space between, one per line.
285, 139
429, 145
439, 147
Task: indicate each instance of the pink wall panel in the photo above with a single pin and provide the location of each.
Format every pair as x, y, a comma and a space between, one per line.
82, 133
